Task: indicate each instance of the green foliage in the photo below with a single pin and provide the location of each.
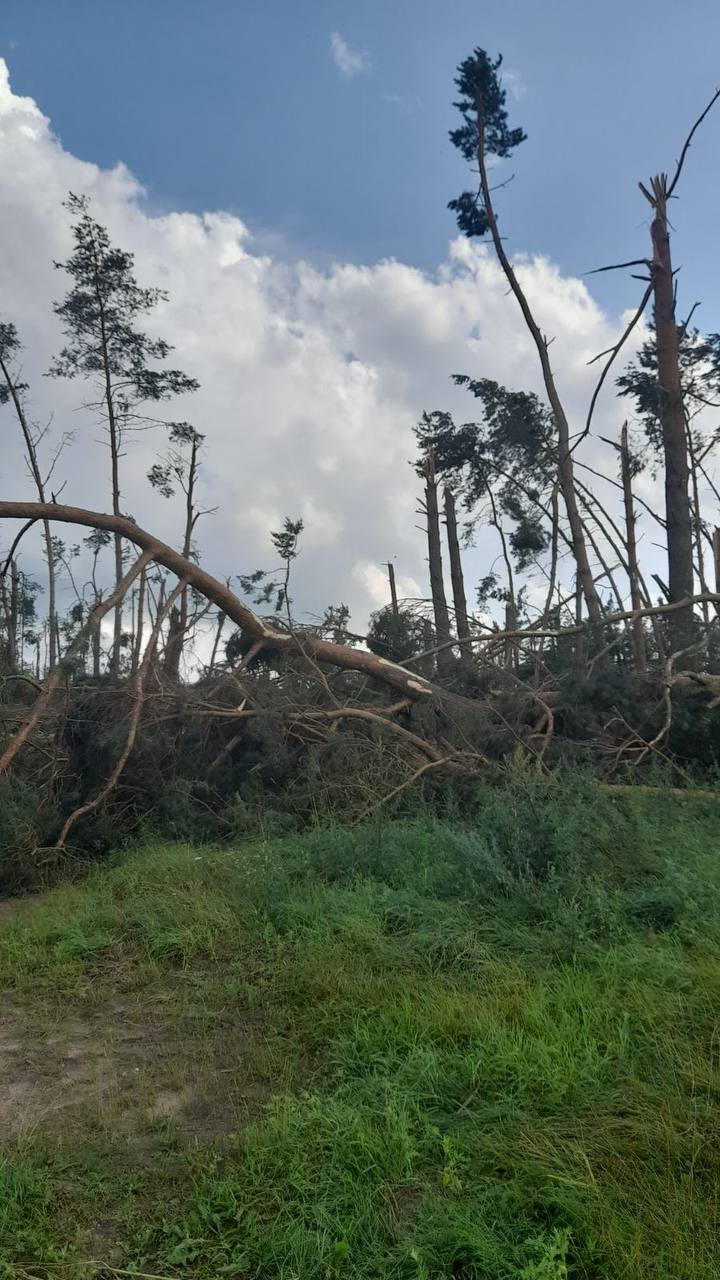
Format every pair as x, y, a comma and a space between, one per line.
99, 317
398, 636
177, 468
27, 818
263, 585
482, 106
699, 377
506, 461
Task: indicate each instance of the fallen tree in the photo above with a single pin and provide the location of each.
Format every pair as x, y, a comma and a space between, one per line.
389, 673
292, 699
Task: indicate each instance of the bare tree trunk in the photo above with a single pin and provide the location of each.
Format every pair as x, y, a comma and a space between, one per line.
216, 642
393, 589
96, 642
31, 451
697, 519
15, 655
580, 655
638, 632
510, 625
672, 418
437, 585
179, 616
716, 557
456, 572
566, 472
553, 552
5, 601
138, 638
511, 605
426, 667
114, 430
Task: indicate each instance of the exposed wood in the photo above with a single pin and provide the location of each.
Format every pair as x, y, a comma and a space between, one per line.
678, 517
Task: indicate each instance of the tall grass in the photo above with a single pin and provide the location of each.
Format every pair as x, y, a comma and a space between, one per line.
497, 1038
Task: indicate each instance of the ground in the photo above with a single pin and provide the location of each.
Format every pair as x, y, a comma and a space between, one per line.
478, 1045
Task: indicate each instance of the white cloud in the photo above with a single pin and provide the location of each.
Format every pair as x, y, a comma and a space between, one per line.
514, 83
349, 62
312, 380
374, 580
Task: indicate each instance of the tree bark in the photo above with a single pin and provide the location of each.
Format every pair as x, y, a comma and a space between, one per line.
456, 571
179, 616
697, 516
437, 585
638, 633
678, 517
30, 449
393, 589
343, 656
566, 472
114, 430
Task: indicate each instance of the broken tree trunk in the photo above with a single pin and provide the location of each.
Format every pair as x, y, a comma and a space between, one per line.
393, 590
389, 673
672, 417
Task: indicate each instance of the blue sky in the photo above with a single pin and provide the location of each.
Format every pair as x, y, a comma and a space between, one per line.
238, 104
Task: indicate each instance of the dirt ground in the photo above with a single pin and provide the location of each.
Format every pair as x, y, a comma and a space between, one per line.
130, 1065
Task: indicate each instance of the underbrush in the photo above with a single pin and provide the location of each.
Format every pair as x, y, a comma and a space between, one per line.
494, 1044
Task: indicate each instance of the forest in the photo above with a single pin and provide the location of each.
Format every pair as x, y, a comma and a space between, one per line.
385, 947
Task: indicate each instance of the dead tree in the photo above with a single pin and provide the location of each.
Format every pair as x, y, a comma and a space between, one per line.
456, 571
437, 585
12, 391
638, 633
671, 412
184, 472
344, 657
393, 589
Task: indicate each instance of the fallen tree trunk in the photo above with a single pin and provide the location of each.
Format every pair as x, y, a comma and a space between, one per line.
389, 673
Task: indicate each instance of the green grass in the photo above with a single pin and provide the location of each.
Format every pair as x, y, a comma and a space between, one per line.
490, 1048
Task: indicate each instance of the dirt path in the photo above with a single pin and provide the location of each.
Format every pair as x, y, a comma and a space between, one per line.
129, 1064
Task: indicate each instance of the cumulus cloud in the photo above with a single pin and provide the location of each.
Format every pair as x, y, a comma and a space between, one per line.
349, 62
311, 379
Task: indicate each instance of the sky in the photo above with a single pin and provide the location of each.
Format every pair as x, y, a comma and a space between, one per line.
238, 105
283, 169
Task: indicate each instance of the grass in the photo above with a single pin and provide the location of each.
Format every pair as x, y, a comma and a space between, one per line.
482, 1049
